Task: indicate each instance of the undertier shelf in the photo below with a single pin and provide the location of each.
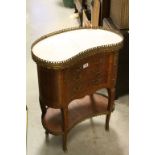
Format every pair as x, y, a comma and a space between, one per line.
78, 110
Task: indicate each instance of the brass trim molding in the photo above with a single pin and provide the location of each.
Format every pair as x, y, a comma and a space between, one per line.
64, 64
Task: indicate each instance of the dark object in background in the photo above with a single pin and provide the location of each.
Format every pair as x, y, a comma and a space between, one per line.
122, 83
69, 3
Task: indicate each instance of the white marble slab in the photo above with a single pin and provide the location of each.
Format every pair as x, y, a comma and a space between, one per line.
65, 45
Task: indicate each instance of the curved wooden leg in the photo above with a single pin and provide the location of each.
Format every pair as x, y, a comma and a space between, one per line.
64, 112
65, 141
111, 96
43, 110
93, 102
107, 121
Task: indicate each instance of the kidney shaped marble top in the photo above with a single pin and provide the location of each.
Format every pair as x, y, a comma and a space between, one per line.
62, 46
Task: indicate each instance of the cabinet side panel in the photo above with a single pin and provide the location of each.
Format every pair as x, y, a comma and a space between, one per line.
49, 87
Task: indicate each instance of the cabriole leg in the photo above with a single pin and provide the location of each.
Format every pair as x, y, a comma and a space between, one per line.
111, 98
64, 112
43, 110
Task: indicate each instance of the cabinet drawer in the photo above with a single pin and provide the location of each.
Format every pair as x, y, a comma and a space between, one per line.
88, 74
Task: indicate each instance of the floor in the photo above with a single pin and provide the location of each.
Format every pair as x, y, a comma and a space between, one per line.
88, 137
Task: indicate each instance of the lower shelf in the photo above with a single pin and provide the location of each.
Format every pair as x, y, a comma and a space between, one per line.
78, 110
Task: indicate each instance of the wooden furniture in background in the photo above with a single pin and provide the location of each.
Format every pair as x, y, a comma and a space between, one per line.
85, 21
119, 13
122, 83
95, 13
80, 5
116, 16
117, 10
89, 16
70, 74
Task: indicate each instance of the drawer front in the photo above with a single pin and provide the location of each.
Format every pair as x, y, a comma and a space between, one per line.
87, 75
